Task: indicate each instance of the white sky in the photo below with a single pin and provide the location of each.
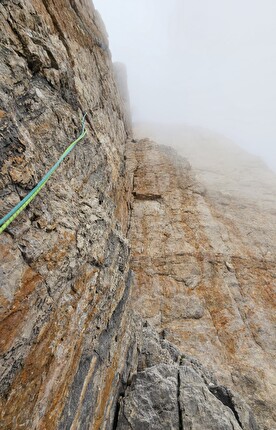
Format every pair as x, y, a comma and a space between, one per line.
209, 63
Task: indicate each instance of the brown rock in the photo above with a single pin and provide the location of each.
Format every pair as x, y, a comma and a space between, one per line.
67, 338
203, 282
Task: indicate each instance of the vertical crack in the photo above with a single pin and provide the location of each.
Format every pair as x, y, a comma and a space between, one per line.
180, 416
119, 407
225, 396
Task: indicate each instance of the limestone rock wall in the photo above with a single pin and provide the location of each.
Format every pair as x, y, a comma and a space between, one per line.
67, 339
205, 273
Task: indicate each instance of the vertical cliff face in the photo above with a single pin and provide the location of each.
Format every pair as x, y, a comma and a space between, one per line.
205, 272
67, 340
72, 352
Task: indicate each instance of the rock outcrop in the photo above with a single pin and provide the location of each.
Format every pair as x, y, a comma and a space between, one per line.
67, 338
204, 279
173, 391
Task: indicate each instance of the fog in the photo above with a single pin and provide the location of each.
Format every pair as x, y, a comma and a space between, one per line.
203, 63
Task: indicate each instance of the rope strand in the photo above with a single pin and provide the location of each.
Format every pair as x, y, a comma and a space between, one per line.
7, 219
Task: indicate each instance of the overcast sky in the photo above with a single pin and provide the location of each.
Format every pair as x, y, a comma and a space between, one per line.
209, 63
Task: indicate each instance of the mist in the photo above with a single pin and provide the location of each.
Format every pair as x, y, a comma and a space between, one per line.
208, 64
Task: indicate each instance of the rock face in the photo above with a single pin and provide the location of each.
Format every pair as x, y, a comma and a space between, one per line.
205, 273
173, 391
67, 339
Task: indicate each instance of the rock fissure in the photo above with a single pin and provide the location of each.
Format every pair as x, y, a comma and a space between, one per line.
33, 60
149, 197
180, 412
224, 396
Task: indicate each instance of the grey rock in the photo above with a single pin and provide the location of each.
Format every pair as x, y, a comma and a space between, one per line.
153, 351
151, 403
179, 395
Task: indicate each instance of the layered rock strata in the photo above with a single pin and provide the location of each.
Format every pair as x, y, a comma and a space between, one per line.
67, 339
204, 279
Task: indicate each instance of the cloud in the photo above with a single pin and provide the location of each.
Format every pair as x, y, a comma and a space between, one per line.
206, 63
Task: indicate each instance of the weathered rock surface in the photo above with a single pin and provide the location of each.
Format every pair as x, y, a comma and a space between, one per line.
173, 391
205, 272
67, 339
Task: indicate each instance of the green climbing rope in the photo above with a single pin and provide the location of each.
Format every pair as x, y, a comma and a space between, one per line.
7, 219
